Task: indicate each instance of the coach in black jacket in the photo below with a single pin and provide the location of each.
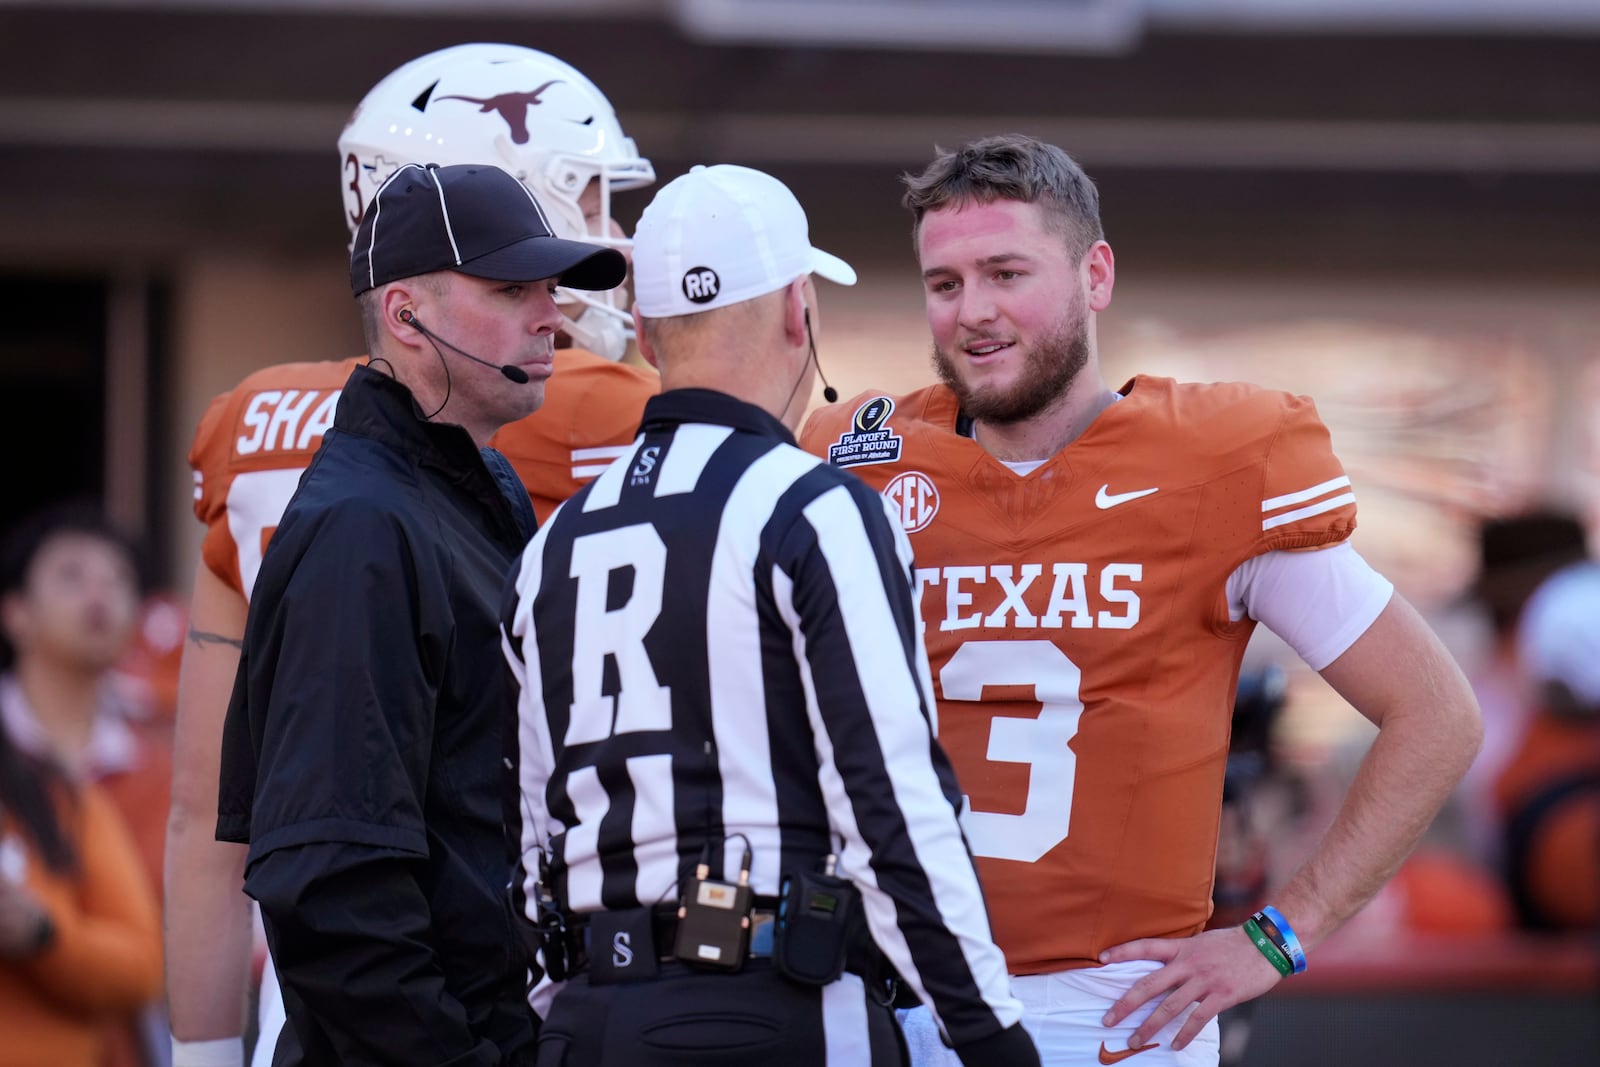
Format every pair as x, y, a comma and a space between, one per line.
361, 756
722, 687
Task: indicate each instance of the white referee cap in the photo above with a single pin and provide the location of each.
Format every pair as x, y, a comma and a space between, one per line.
1559, 634
721, 235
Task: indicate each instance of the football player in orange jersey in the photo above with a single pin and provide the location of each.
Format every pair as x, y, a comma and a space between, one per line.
1091, 564
547, 123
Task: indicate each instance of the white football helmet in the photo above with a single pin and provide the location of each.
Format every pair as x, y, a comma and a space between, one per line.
533, 114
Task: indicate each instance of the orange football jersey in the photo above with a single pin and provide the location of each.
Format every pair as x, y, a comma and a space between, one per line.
590, 416
1077, 627
252, 444
255, 440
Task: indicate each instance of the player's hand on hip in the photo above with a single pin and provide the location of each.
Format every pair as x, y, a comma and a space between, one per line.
1213, 971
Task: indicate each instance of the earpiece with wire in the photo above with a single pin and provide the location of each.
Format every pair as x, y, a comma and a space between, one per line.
829, 393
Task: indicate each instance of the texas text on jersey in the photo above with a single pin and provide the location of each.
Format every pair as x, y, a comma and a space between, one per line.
1093, 796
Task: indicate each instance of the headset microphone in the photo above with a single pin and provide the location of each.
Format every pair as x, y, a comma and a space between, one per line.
512, 373
829, 393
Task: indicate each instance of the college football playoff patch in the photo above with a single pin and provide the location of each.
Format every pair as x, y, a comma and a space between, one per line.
869, 439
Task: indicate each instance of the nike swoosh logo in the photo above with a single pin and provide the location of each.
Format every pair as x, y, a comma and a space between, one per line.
1103, 499
1106, 1055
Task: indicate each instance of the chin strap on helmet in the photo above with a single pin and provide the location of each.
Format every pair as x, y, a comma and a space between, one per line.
599, 328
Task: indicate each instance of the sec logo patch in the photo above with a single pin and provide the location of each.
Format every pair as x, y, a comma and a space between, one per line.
914, 498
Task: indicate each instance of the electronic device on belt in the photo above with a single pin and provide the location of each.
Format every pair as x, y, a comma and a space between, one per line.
714, 919
817, 921
555, 951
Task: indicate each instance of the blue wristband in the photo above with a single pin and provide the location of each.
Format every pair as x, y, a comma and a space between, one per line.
1291, 943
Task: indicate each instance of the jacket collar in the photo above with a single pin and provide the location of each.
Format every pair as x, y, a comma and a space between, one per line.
677, 406
376, 405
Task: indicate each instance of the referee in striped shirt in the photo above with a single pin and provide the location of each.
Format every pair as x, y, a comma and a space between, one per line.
722, 689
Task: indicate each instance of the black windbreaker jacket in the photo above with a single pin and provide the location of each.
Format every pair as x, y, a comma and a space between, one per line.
362, 751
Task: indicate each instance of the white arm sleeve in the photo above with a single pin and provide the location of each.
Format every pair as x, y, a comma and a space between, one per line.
1319, 601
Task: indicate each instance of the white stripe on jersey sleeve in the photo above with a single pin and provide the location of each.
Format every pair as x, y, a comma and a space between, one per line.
602, 453
734, 661
846, 1036
608, 486
692, 446
581, 849
592, 462
1307, 512
655, 826
1276, 502
903, 552
535, 752
892, 694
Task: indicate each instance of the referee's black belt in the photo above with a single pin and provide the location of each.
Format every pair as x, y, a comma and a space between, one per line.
664, 929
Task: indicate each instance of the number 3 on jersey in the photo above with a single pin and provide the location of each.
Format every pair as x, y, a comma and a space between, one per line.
1041, 743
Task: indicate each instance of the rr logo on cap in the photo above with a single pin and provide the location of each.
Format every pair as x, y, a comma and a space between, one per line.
701, 285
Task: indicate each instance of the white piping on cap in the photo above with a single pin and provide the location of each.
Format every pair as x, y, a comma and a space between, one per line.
377, 209
444, 210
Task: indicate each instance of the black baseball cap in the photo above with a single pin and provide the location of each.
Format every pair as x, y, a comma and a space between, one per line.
472, 218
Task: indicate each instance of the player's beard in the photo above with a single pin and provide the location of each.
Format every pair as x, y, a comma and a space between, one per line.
1048, 370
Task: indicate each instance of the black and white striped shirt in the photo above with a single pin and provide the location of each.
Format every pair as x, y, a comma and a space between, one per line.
718, 637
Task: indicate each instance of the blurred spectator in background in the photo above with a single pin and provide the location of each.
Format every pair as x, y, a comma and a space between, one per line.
1252, 785
1549, 788
1458, 881
149, 669
1516, 553
80, 950
1276, 806
1255, 787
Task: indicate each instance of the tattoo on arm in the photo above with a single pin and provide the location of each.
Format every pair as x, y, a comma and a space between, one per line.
200, 637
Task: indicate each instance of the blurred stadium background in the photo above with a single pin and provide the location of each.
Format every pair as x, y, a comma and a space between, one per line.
1389, 204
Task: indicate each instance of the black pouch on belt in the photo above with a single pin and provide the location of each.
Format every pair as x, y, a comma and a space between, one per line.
818, 920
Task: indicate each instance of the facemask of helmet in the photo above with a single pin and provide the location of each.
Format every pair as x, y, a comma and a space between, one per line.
533, 114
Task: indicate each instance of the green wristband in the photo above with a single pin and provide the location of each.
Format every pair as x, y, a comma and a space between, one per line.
1264, 945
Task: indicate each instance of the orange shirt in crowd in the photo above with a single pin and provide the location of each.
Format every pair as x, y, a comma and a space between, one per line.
1560, 867
105, 962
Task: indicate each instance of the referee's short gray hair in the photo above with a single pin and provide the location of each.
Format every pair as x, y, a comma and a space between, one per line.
672, 332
